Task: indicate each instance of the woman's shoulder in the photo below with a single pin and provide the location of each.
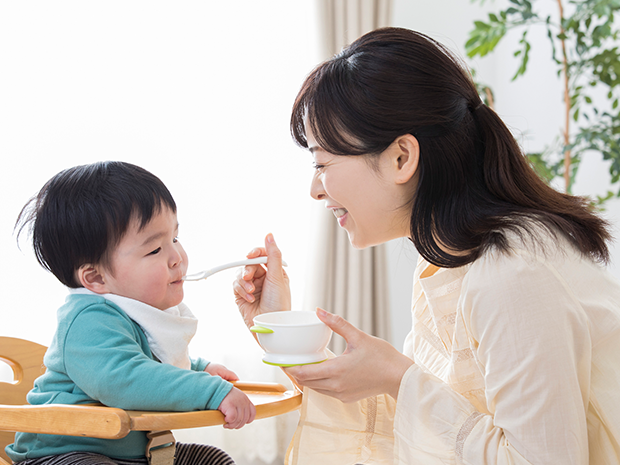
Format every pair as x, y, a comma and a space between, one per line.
534, 242
539, 257
541, 280
533, 246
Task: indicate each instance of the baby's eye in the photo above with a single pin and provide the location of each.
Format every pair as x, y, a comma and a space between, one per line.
156, 251
175, 240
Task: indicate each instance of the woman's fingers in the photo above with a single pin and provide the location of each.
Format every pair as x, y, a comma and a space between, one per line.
275, 294
249, 278
274, 260
340, 326
315, 375
257, 252
354, 374
324, 374
244, 290
329, 378
262, 288
249, 271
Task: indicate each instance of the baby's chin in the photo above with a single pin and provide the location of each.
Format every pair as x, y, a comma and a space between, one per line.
169, 303
180, 299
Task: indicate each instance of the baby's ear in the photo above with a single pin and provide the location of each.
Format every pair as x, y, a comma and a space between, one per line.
92, 279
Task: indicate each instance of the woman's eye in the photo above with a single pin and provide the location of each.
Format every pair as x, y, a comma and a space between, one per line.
156, 251
316, 166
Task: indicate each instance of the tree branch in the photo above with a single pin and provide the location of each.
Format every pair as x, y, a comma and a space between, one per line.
567, 157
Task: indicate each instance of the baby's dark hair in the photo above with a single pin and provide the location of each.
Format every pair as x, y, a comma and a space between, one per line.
82, 213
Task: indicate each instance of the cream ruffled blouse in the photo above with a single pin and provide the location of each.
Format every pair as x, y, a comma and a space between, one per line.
517, 361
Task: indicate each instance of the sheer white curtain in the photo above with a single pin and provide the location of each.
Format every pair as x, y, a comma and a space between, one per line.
351, 283
197, 92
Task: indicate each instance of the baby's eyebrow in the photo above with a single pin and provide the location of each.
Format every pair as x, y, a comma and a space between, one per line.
159, 235
153, 237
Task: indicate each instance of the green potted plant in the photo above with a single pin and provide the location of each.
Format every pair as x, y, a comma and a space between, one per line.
584, 45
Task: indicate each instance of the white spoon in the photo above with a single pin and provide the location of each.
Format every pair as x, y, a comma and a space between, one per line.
206, 273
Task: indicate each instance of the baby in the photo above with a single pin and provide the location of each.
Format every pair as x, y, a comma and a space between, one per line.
108, 231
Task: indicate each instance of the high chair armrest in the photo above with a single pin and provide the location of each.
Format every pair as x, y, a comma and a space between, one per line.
71, 420
103, 422
270, 399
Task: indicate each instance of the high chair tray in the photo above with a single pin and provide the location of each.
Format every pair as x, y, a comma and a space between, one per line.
270, 399
99, 421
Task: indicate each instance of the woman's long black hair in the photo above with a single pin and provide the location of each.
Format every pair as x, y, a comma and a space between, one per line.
474, 181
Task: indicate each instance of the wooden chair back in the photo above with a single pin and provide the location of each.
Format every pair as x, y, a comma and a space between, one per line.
26, 360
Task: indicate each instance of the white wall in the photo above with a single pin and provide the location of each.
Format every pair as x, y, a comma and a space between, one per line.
199, 93
530, 106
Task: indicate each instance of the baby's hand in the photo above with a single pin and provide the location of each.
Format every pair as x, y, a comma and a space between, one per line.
216, 369
237, 409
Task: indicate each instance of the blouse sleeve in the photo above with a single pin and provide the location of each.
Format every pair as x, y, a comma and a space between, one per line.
532, 343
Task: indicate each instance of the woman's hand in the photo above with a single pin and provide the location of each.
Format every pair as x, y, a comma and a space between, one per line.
259, 290
370, 366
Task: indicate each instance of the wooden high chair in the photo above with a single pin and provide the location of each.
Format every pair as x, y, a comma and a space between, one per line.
98, 421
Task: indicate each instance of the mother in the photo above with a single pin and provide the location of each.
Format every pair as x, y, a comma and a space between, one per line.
514, 354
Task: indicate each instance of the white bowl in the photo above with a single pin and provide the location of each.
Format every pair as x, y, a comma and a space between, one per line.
292, 337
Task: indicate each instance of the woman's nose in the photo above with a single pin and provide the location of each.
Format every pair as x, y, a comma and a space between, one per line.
317, 192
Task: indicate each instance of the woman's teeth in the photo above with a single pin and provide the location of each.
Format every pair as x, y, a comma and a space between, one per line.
338, 212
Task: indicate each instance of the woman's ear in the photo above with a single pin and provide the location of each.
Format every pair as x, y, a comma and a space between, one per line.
92, 278
406, 157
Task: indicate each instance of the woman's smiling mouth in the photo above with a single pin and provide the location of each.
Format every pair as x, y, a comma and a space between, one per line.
339, 212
